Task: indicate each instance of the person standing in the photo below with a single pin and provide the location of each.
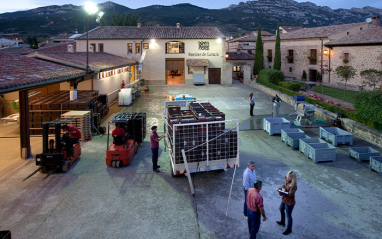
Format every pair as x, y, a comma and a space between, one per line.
276, 106
287, 191
154, 141
255, 209
122, 84
249, 177
251, 103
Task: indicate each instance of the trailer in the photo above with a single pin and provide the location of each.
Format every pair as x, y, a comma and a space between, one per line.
208, 141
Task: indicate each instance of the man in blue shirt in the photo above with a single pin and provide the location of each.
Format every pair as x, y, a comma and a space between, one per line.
249, 178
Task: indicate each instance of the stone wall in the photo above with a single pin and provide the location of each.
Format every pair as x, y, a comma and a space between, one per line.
371, 135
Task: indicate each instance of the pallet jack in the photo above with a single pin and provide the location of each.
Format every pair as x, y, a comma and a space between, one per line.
57, 155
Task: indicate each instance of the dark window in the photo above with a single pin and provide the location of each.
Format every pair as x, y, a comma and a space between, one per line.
137, 48
313, 75
347, 33
346, 56
174, 47
313, 57
129, 48
290, 69
145, 46
290, 56
269, 56
100, 47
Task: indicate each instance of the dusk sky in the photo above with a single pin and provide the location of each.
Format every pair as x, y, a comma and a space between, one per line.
20, 5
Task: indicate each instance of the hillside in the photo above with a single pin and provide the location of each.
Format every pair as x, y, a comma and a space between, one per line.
244, 17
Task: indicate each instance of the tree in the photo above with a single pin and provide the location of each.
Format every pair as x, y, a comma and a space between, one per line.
277, 63
346, 73
259, 57
372, 77
32, 41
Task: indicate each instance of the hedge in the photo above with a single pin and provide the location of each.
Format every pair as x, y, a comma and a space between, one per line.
294, 86
368, 105
271, 76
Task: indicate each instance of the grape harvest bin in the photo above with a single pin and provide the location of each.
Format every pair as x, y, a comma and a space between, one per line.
321, 152
363, 153
274, 125
336, 135
376, 164
304, 142
291, 137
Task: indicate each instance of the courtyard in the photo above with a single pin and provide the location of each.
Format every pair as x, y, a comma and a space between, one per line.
338, 199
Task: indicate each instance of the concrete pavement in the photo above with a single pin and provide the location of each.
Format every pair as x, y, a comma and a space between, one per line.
338, 199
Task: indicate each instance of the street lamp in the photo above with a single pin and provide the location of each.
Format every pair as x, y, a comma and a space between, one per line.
90, 8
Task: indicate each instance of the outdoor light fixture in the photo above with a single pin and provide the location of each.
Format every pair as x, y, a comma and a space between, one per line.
152, 41
90, 8
326, 52
219, 40
226, 55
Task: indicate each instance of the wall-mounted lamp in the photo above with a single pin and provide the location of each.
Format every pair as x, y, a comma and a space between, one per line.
326, 52
226, 55
152, 41
219, 40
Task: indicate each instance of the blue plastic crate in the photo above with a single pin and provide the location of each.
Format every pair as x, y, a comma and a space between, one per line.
336, 135
376, 164
284, 133
363, 153
274, 125
293, 139
304, 142
321, 152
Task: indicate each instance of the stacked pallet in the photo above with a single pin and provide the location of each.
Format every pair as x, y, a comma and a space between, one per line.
81, 122
51, 106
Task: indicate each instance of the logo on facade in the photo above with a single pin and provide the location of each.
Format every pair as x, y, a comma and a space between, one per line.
204, 45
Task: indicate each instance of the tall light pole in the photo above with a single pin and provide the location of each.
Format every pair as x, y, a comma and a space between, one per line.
90, 8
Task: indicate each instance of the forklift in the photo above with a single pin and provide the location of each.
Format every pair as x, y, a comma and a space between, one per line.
58, 154
123, 148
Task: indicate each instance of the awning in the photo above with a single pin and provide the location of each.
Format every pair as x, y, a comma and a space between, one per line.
197, 62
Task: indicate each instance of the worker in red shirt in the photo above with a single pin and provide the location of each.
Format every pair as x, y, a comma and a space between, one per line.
75, 136
123, 84
118, 131
255, 209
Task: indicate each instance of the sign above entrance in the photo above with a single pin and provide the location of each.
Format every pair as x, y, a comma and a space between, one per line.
203, 54
204, 45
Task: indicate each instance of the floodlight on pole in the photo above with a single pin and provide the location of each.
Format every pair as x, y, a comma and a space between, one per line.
90, 8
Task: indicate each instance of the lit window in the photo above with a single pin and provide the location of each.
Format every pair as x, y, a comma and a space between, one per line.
137, 48
174, 47
145, 46
129, 48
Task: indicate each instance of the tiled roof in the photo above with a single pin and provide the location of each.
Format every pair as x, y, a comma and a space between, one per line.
150, 32
18, 71
290, 28
251, 37
239, 56
366, 37
98, 61
317, 32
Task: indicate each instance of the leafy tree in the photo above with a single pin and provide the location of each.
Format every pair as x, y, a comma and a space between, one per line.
259, 57
372, 77
277, 62
236, 35
346, 73
32, 41
319, 77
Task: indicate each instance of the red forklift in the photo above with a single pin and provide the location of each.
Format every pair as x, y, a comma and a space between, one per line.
58, 154
123, 148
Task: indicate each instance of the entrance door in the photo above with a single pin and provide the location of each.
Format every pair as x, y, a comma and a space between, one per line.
174, 71
214, 75
313, 75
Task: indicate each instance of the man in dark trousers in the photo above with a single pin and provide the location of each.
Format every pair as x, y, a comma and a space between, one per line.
120, 132
255, 209
154, 140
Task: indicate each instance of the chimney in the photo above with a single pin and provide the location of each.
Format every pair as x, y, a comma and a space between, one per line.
177, 25
376, 20
70, 48
139, 25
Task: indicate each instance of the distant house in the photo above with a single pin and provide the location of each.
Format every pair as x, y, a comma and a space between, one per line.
240, 64
5, 43
62, 38
245, 43
307, 50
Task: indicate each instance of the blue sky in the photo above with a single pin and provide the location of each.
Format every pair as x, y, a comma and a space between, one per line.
19, 5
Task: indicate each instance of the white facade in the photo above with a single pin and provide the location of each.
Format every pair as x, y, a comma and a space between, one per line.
154, 62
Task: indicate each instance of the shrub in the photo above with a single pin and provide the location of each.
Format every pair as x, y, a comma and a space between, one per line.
368, 105
303, 77
271, 76
294, 86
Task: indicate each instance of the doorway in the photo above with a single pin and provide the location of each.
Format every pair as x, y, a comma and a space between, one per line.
214, 75
313, 75
174, 71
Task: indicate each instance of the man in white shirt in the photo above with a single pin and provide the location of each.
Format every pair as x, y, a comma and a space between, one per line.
249, 178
